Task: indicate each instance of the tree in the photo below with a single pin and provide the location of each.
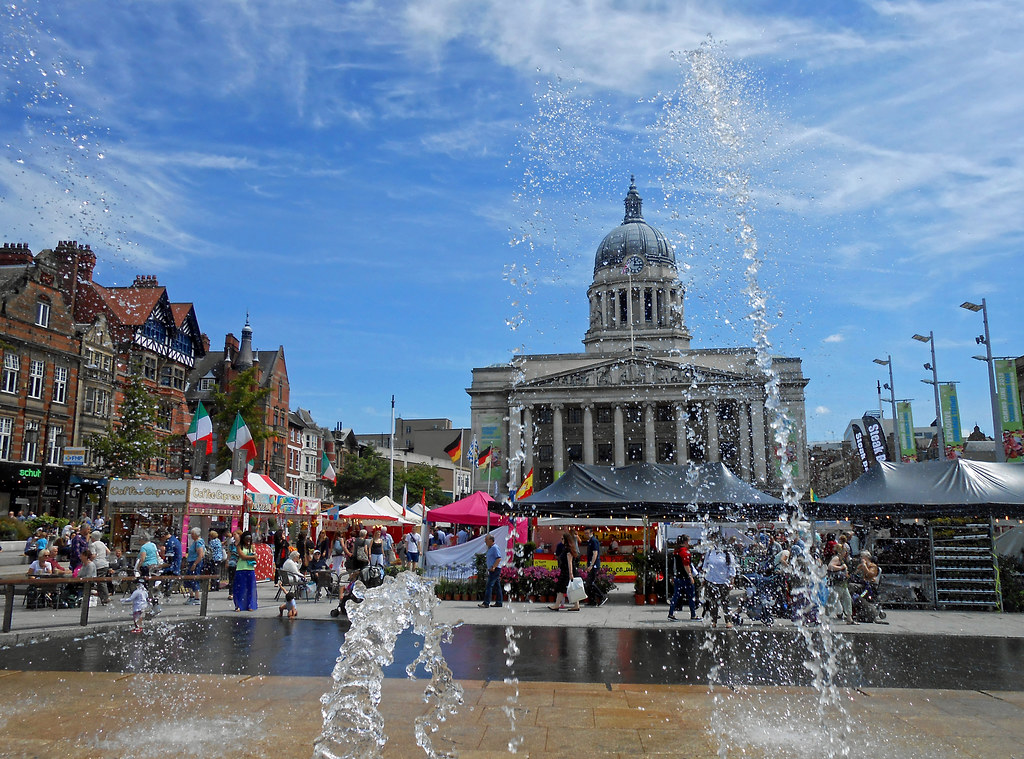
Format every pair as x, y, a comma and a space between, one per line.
417, 478
131, 441
366, 475
244, 397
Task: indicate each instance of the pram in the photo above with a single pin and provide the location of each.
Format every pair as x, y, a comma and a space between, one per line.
369, 577
866, 604
328, 583
763, 598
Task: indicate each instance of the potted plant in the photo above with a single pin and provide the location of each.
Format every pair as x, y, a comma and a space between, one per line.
638, 563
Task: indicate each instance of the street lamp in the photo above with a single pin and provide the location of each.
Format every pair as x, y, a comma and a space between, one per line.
934, 382
891, 387
997, 426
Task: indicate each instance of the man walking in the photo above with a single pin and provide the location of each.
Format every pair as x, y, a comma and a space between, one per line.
493, 560
683, 569
597, 597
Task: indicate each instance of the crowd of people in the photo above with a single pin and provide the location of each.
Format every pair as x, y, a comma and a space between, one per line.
779, 575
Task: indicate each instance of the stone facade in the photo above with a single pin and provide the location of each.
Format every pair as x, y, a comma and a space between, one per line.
638, 392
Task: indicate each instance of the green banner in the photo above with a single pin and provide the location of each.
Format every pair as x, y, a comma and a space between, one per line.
905, 432
787, 457
1009, 409
951, 428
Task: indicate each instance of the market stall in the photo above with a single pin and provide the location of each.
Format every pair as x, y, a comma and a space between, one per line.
138, 507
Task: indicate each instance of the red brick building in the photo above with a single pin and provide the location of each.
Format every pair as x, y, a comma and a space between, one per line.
218, 369
39, 381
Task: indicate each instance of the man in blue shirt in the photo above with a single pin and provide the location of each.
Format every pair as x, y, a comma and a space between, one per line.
493, 560
597, 597
172, 553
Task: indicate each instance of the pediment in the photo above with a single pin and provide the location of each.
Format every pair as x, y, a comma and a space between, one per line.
634, 372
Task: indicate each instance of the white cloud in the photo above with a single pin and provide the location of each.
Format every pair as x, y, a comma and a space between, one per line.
822, 410
836, 338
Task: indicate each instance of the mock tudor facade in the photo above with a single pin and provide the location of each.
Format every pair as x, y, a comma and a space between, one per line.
638, 392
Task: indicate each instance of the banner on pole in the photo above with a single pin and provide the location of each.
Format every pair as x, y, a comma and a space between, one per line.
905, 427
875, 433
1008, 391
862, 451
951, 428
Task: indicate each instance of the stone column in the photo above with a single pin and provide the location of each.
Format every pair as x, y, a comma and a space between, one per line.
516, 442
528, 434
714, 448
757, 432
744, 440
650, 452
588, 433
682, 444
620, 437
559, 443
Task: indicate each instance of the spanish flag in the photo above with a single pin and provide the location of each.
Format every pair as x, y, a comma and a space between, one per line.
454, 450
485, 458
526, 488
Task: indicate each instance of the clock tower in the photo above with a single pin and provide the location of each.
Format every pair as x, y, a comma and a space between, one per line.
636, 299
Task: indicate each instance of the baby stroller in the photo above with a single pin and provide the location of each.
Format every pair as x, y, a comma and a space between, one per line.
369, 577
328, 583
761, 597
866, 604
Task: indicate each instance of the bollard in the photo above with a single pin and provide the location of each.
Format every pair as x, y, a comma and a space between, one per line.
8, 607
203, 596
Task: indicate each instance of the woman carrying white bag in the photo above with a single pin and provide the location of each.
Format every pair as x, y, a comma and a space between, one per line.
567, 557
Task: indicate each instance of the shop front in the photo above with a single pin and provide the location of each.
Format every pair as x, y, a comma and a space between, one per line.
619, 539
33, 488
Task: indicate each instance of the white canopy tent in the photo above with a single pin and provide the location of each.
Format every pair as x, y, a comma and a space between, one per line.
390, 506
366, 510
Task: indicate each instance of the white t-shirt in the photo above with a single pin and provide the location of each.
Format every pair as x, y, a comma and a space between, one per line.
38, 568
99, 555
412, 543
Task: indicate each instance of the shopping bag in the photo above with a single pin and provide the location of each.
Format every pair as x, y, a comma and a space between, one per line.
576, 592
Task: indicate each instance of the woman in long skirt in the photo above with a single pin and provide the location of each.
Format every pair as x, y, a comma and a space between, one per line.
244, 590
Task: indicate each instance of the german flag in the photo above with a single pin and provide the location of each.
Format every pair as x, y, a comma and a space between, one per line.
526, 488
485, 458
454, 450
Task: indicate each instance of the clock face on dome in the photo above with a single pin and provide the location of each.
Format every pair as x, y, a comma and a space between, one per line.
633, 264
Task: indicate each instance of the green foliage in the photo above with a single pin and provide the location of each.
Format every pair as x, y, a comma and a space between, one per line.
247, 398
47, 522
130, 442
12, 529
417, 478
363, 476
1011, 582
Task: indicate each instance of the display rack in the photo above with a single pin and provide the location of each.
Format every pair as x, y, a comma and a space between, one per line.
964, 569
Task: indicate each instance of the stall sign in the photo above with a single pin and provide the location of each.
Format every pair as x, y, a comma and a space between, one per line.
214, 493
147, 491
209, 510
265, 503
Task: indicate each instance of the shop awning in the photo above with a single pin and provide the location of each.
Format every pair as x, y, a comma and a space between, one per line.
659, 491
931, 488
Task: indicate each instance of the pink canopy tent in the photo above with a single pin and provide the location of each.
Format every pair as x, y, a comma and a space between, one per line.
471, 510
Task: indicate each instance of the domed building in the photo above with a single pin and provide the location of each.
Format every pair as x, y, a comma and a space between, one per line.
638, 392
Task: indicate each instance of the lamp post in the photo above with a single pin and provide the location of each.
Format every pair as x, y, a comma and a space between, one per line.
997, 427
891, 387
934, 382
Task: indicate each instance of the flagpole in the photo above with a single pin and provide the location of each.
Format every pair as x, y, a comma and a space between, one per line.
462, 455
391, 478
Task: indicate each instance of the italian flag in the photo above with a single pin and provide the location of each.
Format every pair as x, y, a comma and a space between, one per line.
201, 429
240, 439
327, 471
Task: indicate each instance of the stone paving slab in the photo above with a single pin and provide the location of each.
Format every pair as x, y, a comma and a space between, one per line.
82, 714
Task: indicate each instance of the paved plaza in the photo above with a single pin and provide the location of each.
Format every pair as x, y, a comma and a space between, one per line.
54, 713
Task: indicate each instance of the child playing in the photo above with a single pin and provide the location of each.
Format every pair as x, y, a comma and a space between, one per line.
289, 606
140, 602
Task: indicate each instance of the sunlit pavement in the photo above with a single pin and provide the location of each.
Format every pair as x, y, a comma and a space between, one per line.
619, 612
154, 715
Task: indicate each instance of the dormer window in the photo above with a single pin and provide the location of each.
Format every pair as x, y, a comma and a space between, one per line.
42, 314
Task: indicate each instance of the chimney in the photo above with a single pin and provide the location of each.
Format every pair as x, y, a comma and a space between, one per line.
205, 338
15, 254
145, 280
230, 347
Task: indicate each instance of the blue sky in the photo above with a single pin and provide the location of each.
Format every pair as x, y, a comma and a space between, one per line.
398, 192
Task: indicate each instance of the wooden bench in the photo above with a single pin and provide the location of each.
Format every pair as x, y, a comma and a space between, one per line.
9, 584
